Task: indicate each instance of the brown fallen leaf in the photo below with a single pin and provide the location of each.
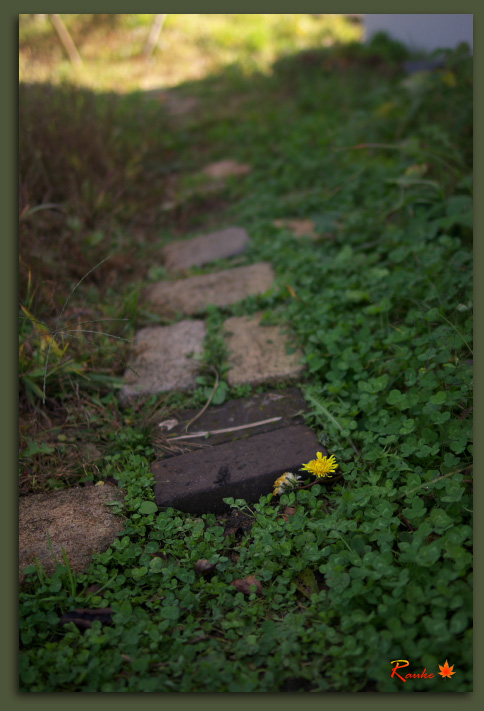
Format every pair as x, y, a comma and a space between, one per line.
243, 585
225, 168
288, 511
204, 566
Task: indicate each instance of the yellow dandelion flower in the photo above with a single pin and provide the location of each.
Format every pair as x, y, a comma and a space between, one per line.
285, 481
320, 467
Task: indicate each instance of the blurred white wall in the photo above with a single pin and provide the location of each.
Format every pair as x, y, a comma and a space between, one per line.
426, 32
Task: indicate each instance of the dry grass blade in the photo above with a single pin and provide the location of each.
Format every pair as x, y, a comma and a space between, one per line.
208, 401
60, 330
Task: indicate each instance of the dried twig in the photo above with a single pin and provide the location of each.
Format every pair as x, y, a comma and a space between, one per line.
406, 522
208, 401
227, 429
66, 40
154, 35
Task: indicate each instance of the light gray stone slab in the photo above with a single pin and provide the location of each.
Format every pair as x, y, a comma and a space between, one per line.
194, 294
257, 354
205, 249
163, 359
76, 520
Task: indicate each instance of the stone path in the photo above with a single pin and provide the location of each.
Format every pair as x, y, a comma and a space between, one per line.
262, 436
244, 462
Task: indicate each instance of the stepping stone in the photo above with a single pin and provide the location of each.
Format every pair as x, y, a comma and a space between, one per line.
257, 354
206, 248
225, 169
299, 228
162, 359
245, 469
77, 520
193, 295
239, 419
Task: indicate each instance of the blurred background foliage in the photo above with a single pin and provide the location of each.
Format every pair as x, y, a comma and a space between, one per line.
189, 47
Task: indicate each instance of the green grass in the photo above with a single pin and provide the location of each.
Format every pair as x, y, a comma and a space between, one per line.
377, 567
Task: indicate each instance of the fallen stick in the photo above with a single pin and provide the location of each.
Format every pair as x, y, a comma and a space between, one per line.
66, 40
228, 429
154, 35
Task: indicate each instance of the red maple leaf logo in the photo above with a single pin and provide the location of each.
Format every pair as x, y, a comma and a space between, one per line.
446, 671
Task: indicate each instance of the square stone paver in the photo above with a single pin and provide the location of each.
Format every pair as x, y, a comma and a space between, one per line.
77, 520
193, 295
247, 469
162, 359
206, 248
257, 354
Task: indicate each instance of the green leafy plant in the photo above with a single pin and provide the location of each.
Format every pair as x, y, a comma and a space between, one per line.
322, 584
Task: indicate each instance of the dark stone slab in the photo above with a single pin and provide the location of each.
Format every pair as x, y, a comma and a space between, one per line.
245, 469
288, 405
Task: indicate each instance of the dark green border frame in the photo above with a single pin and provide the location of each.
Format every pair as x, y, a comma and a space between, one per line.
9, 409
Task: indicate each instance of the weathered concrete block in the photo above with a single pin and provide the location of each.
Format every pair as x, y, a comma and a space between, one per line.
77, 520
246, 469
257, 354
163, 359
206, 248
193, 295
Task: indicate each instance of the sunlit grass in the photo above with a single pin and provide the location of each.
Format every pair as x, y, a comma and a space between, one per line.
190, 46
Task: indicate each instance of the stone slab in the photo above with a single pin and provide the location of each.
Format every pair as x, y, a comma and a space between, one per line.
205, 249
163, 359
192, 295
299, 228
77, 520
226, 169
287, 405
257, 354
246, 469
